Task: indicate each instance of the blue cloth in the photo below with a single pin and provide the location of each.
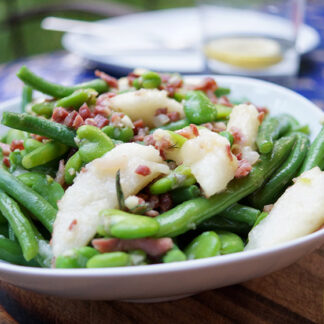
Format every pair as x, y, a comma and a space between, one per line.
66, 68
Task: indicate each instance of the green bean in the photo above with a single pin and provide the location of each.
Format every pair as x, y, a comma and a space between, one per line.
44, 108
43, 154
39, 126
124, 134
183, 194
219, 92
56, 90
174, 255
127, 226
44, 185
26, 98
231, 243
20, 225
179, 124
15, 135
198, 108
77, 259
207, 244
271, 129
11, 233
271, 191
229, 136
93, 143
179, 177
223, 112
77, 99
315, 154
193, 212
218, 222
107, 260
15, 159
31, 144
10, 251
27, 197
261, 217
73, 165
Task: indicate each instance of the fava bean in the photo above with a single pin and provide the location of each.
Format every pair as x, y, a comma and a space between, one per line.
107, 260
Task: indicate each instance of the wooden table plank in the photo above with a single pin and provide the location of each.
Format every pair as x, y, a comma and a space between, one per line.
292, 295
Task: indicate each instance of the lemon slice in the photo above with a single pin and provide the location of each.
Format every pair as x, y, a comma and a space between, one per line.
245, 52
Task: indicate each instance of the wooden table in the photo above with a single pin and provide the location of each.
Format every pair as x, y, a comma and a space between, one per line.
292, 295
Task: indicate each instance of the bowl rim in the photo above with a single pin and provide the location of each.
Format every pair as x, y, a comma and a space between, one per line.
162, 268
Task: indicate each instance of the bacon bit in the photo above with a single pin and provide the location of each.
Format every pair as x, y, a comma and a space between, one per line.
131, 77
174, 116
263, 109
111, 81
165, 77
185, 132
85, 112
141, 133
165, 202
237, 135
138, 124
228, 152
5, 149
90, 121
6, 161
149, 140
39, 138
77, 122
153, 247
116, 118
60, 173
143, 170
208, 83
239, 155
59, 114
73, 224
223, 100
261, 117
194, 129
268, 208
102, 110
84, 170
152, 213
243, 169
69, 119
153, 201
162, 154
161, 111
17, 145
101, 121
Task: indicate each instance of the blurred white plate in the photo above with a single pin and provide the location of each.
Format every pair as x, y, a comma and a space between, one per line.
160, 282
176, 25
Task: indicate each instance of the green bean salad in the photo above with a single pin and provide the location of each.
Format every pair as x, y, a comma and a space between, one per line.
151, 169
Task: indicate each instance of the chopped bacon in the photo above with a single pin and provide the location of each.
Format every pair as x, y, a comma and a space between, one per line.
72, 225
59, 114
69, 119
85, 112
111, 81
194, 129
149, 140
237, 135
261, 117
101, 121
239, 155
39, 138
165, 77
77, 122
138, 124
161, 111
243, 169
131, 77
228, 152
263, 109
223, 100
17, 145
153, 247
165, 202
5, 148
208, 83
143, 170
153, 201
90, 121
174, 116
6, 161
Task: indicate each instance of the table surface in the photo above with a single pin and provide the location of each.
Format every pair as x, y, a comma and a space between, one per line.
292, 295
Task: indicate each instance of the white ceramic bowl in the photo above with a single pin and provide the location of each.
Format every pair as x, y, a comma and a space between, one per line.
174, 280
